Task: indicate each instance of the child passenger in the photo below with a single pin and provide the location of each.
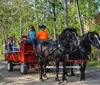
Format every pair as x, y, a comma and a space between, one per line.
12, 47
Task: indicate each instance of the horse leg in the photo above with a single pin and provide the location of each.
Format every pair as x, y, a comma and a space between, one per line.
57, 69
64, 67
44, 73
72, 72
82, 70
84, 67
67, 69
41, 70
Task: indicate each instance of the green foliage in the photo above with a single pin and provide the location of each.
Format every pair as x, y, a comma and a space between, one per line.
94, 52
16, 14
93, 64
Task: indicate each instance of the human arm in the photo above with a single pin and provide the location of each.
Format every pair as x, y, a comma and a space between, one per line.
37, 35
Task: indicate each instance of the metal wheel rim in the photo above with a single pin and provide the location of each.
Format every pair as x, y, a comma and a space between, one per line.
22, 68
8, 66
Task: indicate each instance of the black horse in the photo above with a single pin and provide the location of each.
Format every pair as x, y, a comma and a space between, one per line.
57, 51
84, 49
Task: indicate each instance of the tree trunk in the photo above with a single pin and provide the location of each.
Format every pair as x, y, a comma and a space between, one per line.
66, 13
3, 32
36, 15
37, 20
98, 58
54, 19
79, 16
20, 21
27, 19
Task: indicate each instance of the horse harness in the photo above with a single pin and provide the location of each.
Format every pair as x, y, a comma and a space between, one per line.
58, 47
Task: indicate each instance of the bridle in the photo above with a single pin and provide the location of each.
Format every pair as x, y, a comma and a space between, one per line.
70, 42
93, 43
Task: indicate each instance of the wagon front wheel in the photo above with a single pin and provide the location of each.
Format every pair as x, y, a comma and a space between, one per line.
10, 66
23, 68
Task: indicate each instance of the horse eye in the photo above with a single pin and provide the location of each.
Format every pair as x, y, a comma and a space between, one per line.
95, 40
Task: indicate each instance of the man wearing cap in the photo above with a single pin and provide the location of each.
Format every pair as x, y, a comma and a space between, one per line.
42, 34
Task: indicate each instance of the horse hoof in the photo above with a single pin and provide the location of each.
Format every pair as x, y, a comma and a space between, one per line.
46, 78
44, 75
59, 82
64, 79
41, 80
56, 79
82, 79
67, 74
73, 74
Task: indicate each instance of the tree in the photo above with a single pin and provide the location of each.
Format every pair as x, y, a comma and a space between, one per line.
18, 14
66, 12
79, 15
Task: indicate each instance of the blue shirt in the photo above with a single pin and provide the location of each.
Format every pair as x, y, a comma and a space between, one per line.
31, 34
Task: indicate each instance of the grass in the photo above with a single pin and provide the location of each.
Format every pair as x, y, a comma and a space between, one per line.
1, 57
94, 64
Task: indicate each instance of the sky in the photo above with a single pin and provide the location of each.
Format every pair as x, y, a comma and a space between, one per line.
99, 8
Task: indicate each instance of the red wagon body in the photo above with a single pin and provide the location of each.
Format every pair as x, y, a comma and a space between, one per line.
25, 56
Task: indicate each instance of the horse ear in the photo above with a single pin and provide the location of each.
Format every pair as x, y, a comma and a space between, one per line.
94, 31
74, 29
89, 32
66, 29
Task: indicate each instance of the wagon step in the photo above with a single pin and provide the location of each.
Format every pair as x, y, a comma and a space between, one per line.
77, 67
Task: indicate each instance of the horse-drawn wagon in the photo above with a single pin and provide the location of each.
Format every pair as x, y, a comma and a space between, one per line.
65, 49
25, 56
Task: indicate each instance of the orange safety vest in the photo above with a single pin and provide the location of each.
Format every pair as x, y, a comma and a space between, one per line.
42, 35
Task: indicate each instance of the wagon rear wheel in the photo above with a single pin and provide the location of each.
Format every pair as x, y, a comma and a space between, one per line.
23, 68
10, 66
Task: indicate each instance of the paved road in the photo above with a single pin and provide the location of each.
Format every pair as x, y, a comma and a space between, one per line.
16, 78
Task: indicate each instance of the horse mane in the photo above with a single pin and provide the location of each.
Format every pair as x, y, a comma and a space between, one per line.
71, 29
85, 37
68, 29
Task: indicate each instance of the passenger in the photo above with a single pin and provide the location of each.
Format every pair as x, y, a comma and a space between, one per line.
32, 35
10, 43
12, 47
42, 35
22, 39
5, 46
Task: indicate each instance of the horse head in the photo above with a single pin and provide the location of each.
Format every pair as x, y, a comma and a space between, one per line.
69, 39
94, 38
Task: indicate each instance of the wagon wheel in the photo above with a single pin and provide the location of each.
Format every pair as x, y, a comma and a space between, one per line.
23, 68
10, 66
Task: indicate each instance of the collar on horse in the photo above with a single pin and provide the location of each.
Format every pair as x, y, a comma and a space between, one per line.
58, 47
